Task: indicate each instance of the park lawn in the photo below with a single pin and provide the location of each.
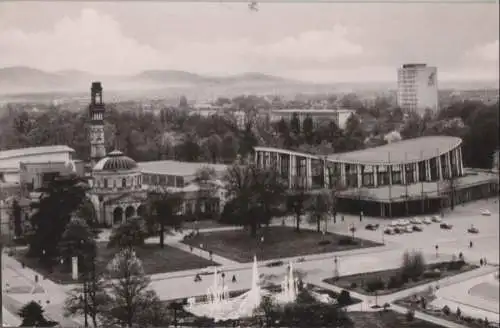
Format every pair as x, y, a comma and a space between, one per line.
278, 242
387, 319
357, 282
154, 260
203, 224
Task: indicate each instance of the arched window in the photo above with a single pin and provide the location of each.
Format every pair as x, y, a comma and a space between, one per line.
105, 183
114, 183
124, 182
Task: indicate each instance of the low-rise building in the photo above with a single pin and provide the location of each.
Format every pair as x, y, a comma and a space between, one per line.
318, 116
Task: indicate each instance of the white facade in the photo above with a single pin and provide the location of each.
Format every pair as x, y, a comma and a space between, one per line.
417, 87
339, 116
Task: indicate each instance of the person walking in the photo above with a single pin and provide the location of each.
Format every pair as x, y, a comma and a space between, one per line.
234, 278
470, 244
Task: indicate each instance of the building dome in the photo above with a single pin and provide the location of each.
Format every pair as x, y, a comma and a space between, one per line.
115, 161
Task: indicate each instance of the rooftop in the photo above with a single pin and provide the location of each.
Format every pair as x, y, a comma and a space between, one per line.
30, 151
313, 111
405, 151
177, 168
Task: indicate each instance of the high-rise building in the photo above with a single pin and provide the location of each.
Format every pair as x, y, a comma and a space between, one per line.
417, 87
96, 113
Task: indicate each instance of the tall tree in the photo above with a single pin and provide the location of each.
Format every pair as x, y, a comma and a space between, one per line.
308, 129
164, 211
297, 203
295, 124
319, 209
60, 199
16, 214
129, 234
32, 316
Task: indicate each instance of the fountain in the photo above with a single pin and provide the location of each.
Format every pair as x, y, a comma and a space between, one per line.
220, 306
289, 287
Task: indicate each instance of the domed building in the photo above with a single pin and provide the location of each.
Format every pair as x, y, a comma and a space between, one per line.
117, 192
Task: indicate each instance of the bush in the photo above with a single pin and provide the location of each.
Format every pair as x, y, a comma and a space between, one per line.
431, 274
446, 310
374, 284
324, 242
275, 264
394, 282
410, 315
354, 285
344, 298
345, 241
456, 265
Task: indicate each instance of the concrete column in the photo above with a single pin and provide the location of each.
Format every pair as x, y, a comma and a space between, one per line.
403, 174
440, 173
389, 170
360, 177
427, 170
326, 182
343, 174
308, 172
416, 173
460, 161
291, 158
278, 163
375, 175
448, 164
256, 157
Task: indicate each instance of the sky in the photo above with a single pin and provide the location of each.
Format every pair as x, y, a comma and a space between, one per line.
319, 42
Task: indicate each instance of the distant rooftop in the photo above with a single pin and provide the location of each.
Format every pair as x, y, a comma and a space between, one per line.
177, 168
313, 111
414, 65
30, 151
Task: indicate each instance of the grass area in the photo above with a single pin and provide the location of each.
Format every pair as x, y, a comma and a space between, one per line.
154, 260
415, 302
278, 242
360, 283
387, 319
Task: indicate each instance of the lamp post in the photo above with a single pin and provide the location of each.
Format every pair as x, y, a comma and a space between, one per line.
437, 250
336, 270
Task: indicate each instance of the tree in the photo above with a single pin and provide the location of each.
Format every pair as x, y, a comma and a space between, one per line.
128, 235
183, 103
163, 211
16, 214
130, 297
308, 129
413, 265
254, 194
58, 203
297, 205
319, 209
354, 134
248, 141
32, 316
295, 124
77, 241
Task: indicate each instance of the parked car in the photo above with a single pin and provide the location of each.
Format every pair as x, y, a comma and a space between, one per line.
408, 229
445, 226
404, 222
417, 228
389, 231
394, 223
371, 227
416, 221
436, 218
473, 229
398, 230
485, 212
427, 220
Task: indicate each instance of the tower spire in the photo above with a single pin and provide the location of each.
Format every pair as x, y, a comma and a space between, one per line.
96, 114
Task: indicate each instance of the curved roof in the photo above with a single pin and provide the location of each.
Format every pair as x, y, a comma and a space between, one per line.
405, 151
115, 161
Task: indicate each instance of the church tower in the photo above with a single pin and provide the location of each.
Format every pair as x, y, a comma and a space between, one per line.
96, 114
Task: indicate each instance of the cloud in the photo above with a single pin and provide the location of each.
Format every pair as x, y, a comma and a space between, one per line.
487, 52
91, 42
96, 43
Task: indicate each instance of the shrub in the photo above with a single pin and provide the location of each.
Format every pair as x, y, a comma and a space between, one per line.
446, 310
344, 298
374, 284
430, 274
394, 282
413, 265
354, 285
456, 265
275, 264
410, 315
459, 312
324, 242
345, 241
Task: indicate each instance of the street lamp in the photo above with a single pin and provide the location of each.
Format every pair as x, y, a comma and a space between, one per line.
336, 271
437, 250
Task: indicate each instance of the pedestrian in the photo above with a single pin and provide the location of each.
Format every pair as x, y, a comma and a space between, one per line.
481, 262
210, 253
470, 244
342, 218
36, 278
191, 248
485, 262
234, 278
23, 265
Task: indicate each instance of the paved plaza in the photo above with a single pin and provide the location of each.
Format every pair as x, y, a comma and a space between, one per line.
315, 267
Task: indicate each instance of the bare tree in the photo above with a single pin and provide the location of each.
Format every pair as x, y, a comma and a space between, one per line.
319, 209
130, 298
298, 204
